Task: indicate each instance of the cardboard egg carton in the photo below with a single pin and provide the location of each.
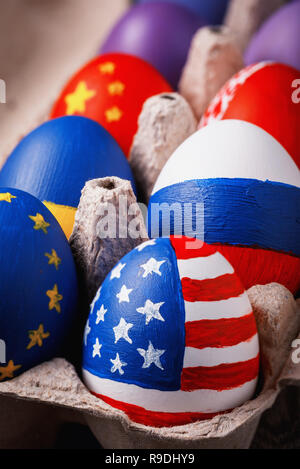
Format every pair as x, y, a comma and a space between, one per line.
34, 405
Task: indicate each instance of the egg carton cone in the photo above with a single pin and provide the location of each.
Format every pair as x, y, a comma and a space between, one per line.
54, 393
95, 250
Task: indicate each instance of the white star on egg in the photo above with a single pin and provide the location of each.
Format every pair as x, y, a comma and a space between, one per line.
151, 355
116, 272
100, 314
96, 349
123, 294
152, 267
151, 311
121, 331
117, 365
141, 247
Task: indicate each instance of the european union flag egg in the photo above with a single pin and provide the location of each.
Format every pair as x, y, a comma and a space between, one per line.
171, 337
233, 185
38, 287
54, 162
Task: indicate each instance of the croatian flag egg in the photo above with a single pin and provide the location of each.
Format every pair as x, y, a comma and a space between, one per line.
171, 337
38, 287
236, 187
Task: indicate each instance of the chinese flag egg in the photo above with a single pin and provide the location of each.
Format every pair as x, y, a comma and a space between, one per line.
171, 337
263, 95
111, 90
38, 287
54, 162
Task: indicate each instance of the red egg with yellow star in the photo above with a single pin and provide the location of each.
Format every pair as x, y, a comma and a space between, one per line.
38, 287
111, 90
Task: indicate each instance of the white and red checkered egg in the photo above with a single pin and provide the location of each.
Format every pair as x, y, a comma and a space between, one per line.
171, 337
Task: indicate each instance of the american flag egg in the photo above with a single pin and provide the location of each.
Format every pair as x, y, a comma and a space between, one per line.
233, 185
54, 162
171, 337
264, 94
38, 287
111, 90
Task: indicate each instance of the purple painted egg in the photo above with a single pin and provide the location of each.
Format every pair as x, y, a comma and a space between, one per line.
278, 39
159, 33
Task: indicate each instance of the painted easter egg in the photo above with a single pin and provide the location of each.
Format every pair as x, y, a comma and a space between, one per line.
213, 11
278, 38
233, 185
111, 90
263, 95
38, 287
54, 162
157, 32
171, 337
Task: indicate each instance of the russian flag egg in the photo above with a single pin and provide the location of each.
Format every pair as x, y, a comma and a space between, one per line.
263, 95
171, 337
111, 90
158, 32
233, 185
54, 162
38, 287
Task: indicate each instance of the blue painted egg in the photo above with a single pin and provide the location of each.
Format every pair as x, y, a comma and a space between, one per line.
54, 162
171, 337
38, 287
